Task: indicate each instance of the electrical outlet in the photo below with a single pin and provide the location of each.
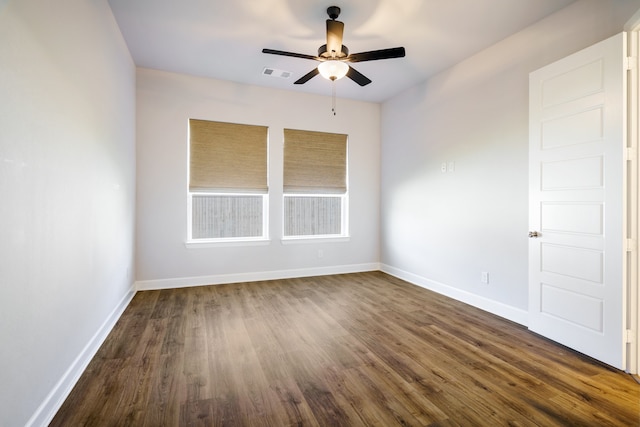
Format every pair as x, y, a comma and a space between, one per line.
443, 167
320, 253
484, 277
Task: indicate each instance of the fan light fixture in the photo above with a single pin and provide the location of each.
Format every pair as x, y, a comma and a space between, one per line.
333, 69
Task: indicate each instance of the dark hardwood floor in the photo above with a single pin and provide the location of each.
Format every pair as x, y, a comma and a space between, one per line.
347, 350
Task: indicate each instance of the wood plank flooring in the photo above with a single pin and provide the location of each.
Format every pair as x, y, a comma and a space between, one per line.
347, 350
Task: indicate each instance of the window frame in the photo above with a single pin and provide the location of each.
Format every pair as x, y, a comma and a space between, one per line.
344, 214
264, 239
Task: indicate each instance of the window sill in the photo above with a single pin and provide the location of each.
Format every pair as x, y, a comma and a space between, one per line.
312, 240
226, 243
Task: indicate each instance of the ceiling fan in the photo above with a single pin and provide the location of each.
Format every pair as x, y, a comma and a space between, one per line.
334, 56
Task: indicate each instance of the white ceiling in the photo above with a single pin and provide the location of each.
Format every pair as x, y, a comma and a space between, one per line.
224, 39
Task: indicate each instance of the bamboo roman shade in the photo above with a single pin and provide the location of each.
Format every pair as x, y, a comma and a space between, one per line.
227, 157
315, 162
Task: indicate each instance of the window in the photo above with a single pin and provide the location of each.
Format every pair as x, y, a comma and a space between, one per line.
227, 181
315, 184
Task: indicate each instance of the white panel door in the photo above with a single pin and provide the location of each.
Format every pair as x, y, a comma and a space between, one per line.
577, 172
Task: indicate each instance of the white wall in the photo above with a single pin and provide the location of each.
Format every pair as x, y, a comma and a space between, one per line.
441, 230
165, 102
67, 147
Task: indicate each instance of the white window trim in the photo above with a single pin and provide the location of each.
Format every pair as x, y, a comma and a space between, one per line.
219, 243
304, 240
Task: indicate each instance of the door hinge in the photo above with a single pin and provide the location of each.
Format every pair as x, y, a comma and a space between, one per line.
630, 62
632, 245
630, 154
628, 336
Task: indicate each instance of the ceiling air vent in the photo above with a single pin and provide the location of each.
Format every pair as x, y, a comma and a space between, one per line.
273, 72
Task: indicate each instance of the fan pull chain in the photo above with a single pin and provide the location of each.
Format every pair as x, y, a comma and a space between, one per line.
333, 97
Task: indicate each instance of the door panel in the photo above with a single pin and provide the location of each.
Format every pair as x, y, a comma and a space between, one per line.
574, 129
572, 217
577, 172
577, 263
573, 307
573, 174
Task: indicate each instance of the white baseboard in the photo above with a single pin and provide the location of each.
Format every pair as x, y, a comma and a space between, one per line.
499, 309
184, 282
54, 400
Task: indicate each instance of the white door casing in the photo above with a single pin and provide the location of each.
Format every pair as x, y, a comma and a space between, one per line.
633, 200
577, 110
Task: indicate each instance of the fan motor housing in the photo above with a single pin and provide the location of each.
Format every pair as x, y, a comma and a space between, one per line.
322, 52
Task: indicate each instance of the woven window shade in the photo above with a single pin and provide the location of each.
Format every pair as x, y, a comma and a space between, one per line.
227, 157
315, 162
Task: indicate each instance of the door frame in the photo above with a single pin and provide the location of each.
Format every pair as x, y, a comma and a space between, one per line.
632, 209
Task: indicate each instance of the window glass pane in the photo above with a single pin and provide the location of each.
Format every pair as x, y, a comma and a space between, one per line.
312, 216
223, 216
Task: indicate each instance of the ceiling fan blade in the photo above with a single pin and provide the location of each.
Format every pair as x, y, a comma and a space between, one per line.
311, 74
295, 55
395, 52
358, 77
335, 29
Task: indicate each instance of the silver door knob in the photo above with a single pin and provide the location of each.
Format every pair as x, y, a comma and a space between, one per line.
533, 234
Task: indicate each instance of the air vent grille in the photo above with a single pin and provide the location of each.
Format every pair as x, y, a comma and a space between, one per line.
274, 72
